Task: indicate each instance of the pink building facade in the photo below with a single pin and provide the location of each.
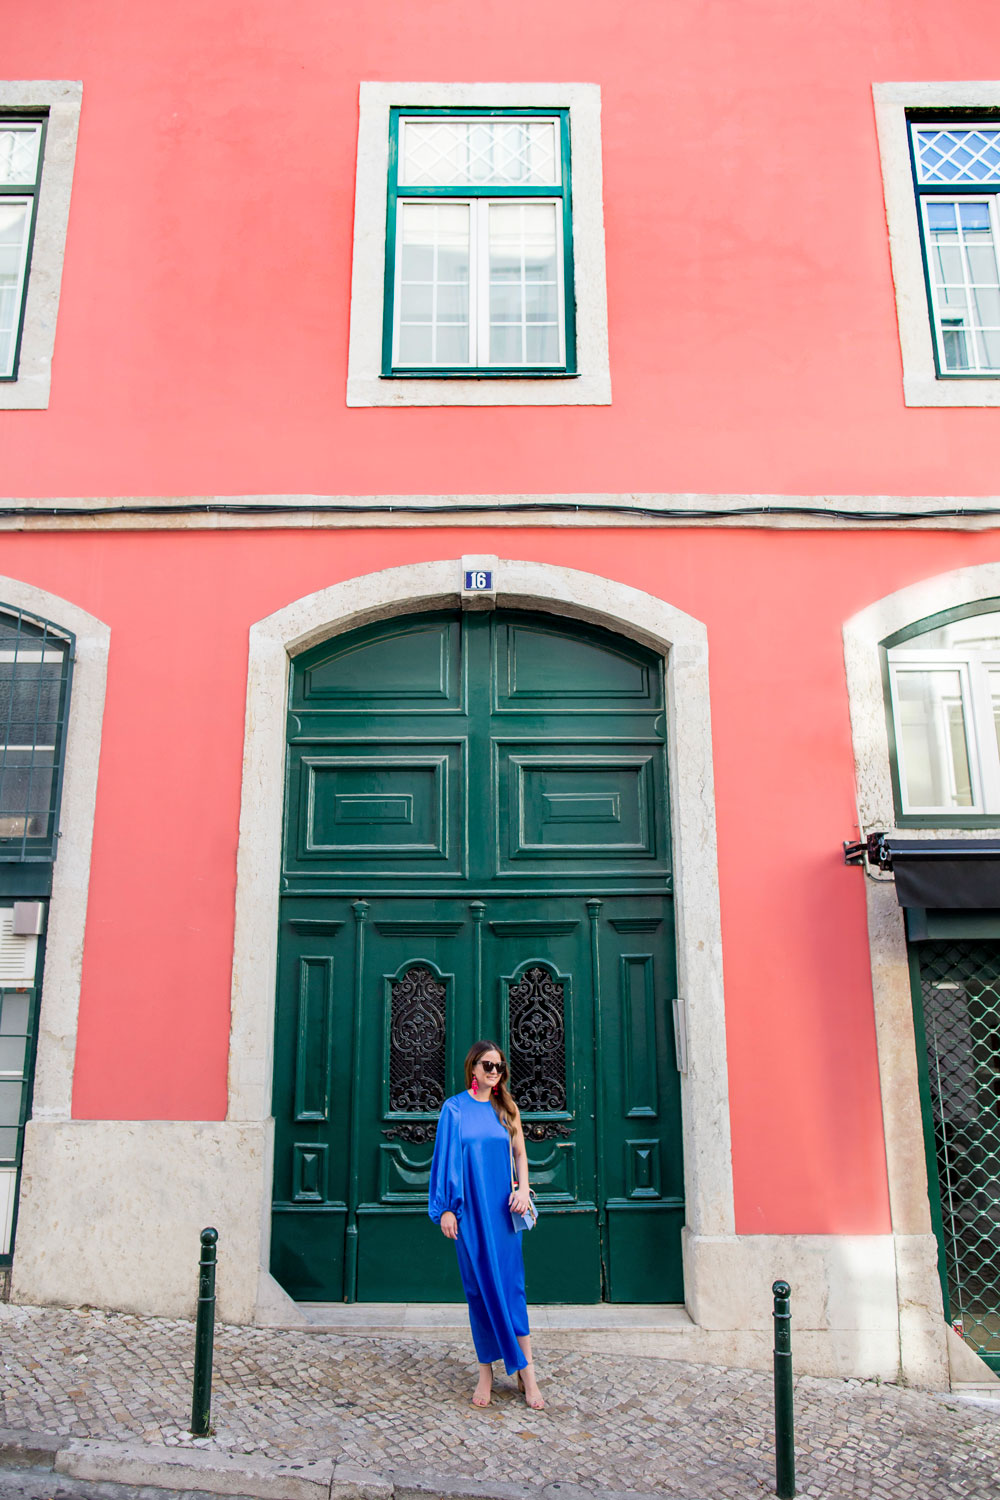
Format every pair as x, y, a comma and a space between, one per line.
492, 503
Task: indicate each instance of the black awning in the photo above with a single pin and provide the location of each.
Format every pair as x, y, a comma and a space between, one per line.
944, 873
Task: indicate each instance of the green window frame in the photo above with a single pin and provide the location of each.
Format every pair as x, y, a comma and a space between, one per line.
36, 665
955, 162
22, 151
980, 716
480, 196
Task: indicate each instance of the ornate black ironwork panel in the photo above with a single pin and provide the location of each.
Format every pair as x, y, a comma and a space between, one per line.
537, 1130
417, 1134
417, 1042
538, 1042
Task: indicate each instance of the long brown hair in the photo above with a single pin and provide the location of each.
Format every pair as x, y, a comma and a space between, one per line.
502, 1100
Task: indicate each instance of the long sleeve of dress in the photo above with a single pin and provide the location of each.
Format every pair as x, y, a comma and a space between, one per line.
446, 1193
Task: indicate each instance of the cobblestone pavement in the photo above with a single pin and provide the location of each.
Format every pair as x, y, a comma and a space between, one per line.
388, 1404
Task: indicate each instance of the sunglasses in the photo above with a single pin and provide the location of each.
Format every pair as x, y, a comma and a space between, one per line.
491, 1067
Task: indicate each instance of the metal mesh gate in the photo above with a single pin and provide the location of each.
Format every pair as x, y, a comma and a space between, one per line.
960, 985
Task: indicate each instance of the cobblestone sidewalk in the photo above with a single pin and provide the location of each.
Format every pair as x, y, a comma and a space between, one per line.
395, 1404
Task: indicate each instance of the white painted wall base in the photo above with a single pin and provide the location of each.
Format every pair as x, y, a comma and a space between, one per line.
852, 1297
111, 1213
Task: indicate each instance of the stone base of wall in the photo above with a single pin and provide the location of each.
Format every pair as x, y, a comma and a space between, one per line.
111, 1211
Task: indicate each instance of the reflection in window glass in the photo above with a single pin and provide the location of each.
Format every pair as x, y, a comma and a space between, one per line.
933, 739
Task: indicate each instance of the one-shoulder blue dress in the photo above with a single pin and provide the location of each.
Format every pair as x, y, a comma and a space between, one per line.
470, 1176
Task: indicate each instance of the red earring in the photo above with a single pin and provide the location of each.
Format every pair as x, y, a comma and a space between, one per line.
495, 1087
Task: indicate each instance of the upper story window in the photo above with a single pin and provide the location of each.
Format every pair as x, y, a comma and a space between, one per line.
21, 143
944, 687
480, 244
956, 170
34, 700
38, 132
478, 275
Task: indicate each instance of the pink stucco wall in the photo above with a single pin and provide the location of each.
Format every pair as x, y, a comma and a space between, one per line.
202, 336
202, 348
807, 1131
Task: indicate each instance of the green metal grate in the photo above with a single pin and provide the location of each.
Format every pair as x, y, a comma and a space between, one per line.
960, 988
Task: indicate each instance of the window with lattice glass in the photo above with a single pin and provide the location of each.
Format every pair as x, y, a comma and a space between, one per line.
34, 695
957, 175
21, 142
479, 262
945, 697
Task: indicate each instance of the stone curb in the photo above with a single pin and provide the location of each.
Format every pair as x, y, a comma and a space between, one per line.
216, 1473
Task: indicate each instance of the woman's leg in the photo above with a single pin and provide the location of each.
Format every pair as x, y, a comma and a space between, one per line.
483, 1393
532, 1395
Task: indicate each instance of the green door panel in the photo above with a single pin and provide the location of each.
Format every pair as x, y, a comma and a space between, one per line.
476, 845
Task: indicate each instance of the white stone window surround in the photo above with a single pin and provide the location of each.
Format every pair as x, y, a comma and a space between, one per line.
921, 384
62, 101
365, 384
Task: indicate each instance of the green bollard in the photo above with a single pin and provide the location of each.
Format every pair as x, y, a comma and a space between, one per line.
204, 1334
784, 1419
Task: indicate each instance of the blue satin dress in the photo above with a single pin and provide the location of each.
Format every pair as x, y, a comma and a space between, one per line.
470, 1176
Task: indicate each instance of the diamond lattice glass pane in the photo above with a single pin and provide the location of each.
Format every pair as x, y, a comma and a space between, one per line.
19, 145
960, 984
479, 153
930, 721
957, 153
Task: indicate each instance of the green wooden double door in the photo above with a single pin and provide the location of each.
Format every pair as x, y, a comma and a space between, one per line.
476, 845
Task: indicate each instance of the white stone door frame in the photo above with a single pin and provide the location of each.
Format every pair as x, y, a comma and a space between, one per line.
565, 592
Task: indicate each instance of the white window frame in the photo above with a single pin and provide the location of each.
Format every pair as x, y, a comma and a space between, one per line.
62, 102
479, 278
939, 314
922, 386
366, 386
973, 668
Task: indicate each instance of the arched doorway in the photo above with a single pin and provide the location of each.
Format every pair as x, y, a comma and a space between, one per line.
476, 842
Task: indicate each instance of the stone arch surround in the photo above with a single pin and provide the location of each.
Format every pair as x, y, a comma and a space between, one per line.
926, 1341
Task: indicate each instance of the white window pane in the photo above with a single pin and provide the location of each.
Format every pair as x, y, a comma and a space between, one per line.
416, 301
542, 343
506, 301
541, 302
982, 263
986, 302
432, 308
452, 344
964, 268
10, 1103
995, 696
988, 344
415, 344
524, 289
505, 344
933, 740
19, 146
14, 1015
12, 1055
446, 152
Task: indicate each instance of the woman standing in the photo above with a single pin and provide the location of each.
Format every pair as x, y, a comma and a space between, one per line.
471, 1199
